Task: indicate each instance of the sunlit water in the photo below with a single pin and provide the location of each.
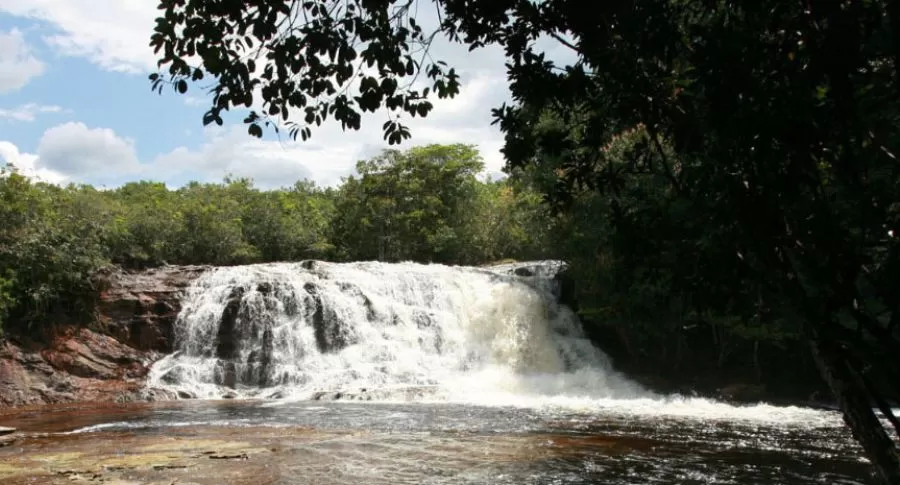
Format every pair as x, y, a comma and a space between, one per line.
406, 373
440, 443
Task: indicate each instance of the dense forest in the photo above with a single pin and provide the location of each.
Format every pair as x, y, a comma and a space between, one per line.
425, 204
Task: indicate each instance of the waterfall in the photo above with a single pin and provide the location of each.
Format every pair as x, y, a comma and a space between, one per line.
372, 330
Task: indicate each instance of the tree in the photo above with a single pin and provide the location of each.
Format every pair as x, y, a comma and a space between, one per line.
508, 220
52, 243
409, 205
783, 116
151, 224
213, 229
288, 225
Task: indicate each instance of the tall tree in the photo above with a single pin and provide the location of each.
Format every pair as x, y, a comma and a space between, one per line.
409, 205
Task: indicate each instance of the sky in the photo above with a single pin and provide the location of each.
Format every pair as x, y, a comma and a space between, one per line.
76, 106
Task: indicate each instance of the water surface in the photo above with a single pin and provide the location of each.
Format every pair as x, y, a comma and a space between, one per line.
305, 442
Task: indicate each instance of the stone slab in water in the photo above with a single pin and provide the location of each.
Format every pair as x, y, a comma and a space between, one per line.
5, 431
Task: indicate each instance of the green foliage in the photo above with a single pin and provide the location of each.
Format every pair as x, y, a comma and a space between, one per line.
148, 226
409, 205
647, 266
309, 66
50, 247
771, 131
511, 221
7, 299
424, 204
290, 224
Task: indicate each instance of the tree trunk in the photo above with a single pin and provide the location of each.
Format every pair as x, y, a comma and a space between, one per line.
858, 413
757, 368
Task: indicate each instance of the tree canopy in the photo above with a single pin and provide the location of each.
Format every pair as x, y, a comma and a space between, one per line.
770, 126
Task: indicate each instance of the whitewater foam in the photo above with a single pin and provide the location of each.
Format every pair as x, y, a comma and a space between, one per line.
294, 329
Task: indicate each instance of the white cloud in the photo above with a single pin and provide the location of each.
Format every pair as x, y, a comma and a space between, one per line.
114, 34
191, 100
332, 153
76, 152
28, 111
233, 152
81, 153
17, 64
26, 164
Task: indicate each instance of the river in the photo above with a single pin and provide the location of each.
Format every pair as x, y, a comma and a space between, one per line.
312, 442
376, 373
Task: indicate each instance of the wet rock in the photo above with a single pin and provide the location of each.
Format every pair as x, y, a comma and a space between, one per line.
105, 360
139, 308
154, 395
331, 332
524, 271
185, 395
265, 359
236, 456
8, 440
228, 376
565, 288
741, 392
541, 273
354, 291
327, 396
76, 365
225, 338
317, 316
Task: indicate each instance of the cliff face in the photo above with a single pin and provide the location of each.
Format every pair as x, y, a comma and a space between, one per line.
104, 360
139, 308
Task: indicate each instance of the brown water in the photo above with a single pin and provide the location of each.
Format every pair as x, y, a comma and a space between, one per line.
254, 442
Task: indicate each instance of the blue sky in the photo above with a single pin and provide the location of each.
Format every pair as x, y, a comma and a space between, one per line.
76, 106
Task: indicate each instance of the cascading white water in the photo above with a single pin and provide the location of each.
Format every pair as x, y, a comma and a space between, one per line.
383, 331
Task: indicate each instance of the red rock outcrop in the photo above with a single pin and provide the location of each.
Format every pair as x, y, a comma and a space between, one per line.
140, 308
104, 360
77, 365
